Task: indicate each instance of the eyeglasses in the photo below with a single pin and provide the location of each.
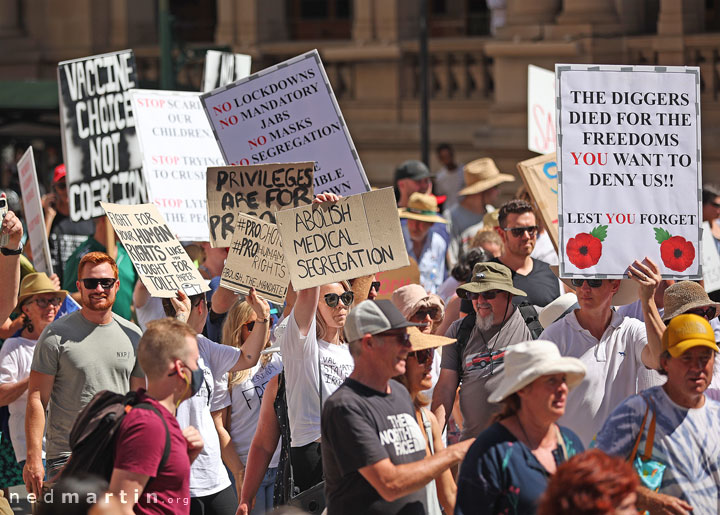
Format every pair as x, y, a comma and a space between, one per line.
593, 283
487, 295
331, 299
401, 338
374, 285
714, 204
43, 303
105, 282
519, 231
420, 314
709, 312
422, 356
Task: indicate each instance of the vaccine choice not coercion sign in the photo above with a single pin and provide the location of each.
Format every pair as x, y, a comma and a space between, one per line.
629, 164
287, 113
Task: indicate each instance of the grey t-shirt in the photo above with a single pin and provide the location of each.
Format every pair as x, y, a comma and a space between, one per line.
85, 358
483, 359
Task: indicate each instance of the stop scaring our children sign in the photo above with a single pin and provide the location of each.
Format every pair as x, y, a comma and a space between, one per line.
629, 169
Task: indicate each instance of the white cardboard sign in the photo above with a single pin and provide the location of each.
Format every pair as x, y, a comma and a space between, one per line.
34, 214
629, 169
178, 146
541, 110
222, 68
287, 113
711, 260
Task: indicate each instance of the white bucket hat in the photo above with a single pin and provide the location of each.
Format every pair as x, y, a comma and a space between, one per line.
558, 309
526, 361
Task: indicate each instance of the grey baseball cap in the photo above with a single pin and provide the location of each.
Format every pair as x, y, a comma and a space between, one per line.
374, 317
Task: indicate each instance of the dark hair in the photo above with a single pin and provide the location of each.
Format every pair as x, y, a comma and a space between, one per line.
510, 407
463, 270
516, 206
170, 309
74, 495
591, 483
709, 192
443, 146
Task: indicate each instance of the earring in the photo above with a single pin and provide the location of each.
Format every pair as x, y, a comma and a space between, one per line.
27, 324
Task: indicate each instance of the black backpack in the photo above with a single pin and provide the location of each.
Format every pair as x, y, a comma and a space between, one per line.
92, 437
528, 312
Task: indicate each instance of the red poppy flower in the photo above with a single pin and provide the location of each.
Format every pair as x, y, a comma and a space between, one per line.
585, 250
675, 251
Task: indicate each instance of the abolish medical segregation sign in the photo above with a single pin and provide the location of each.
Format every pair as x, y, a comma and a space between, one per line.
629, 167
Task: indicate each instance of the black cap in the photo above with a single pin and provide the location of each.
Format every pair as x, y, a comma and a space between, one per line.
415, 170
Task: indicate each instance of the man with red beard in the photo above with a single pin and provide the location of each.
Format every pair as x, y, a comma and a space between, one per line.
77, 356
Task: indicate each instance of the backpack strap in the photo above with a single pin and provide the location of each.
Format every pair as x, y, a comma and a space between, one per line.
166, 451
530, 316
462, 336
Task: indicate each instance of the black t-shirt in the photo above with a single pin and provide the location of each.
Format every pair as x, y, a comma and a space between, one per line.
65, 236
541, 285
360, 427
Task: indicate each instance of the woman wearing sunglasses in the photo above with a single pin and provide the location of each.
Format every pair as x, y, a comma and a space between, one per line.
316, 361
38, 303
417, 378
246, 389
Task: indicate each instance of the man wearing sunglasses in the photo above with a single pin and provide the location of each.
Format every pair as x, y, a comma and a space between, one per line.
613, 348
64, 235
77, 356
475, 361
373, 449
518, 230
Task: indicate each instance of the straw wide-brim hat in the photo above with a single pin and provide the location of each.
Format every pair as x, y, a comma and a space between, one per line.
627, 292
489, 276
557, 309
422, 207
481, 175
420, 340
684, 296
33, 284
526, 361
412, 297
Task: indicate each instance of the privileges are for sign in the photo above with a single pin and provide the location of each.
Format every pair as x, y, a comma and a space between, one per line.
629, 166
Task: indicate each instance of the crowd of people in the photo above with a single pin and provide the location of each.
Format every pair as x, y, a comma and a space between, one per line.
492, 386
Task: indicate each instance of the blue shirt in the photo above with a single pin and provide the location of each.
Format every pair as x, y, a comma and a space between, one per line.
501, 475
431, 261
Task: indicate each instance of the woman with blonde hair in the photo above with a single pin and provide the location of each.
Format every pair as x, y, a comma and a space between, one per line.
246, 388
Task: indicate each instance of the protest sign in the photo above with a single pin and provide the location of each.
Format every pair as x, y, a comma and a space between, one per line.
177, 145
394, 279
34, 214
256, 260
102, 154
287, 113
711, 260
161, 262
541, 110
258, 190
540, 177
222, 68
355, 236
629, 169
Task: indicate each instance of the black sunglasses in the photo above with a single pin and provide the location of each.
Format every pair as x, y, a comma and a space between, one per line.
487, 295
709, 312
420, 314
519, 231
105, 282
401, 338
593, 283
714, 204
375, 285
331, 299
422, 356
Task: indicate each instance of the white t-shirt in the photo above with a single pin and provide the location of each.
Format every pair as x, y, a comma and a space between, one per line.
612, 369
16, 357
207, 473
151, 310
301, 356
246, 398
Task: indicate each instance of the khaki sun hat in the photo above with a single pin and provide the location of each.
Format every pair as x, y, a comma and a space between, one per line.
481, 175
420, 340
685, 332
684, 296
412, 297
489, 276
526, 361
33, 284
627, 292
422, 207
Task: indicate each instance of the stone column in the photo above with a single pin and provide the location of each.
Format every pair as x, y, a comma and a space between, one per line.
679, 17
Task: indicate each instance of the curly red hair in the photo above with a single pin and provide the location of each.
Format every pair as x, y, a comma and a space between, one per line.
591, 483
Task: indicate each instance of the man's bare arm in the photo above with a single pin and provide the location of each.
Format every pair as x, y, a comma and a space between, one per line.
39, 388
444, 395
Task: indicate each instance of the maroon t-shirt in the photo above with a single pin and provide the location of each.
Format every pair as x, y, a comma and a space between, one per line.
139, 448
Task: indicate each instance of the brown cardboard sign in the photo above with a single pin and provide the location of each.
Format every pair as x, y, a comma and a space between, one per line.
333, 241
540, 175
256, 260
256, 190
394, 279
161, 262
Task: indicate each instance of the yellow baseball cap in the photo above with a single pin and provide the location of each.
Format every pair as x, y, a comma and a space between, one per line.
687, 331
